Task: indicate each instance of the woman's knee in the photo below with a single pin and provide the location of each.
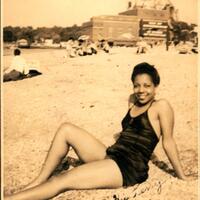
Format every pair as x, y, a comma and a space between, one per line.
66, 129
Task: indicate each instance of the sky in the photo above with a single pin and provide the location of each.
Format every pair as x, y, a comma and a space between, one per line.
49, 13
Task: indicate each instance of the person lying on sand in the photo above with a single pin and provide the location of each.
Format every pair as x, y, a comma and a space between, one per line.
125, 163
18, 68
186, 47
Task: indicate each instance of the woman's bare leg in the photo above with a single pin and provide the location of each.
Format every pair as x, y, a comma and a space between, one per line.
87, 147
98, 174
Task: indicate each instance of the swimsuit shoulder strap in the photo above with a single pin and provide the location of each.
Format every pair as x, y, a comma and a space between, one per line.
150, 104
145, 112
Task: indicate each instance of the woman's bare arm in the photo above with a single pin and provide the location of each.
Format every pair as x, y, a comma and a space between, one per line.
166, 116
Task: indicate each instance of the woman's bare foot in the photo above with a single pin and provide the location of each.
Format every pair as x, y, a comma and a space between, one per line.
63, 166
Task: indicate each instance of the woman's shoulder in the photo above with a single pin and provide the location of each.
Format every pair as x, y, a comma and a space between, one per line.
162, 105
162, 102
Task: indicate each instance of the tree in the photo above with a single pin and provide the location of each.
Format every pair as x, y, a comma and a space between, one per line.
56, 33
8, 34
56, 38
182, 31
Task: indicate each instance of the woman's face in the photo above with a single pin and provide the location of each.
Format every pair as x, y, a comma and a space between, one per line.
144, 89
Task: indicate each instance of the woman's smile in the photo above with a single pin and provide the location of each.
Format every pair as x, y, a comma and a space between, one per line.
144, 88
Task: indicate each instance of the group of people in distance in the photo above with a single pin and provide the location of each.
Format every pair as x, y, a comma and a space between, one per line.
81, 47
183, 47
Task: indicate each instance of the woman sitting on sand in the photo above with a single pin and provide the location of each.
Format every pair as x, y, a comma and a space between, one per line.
18, 68
125, 163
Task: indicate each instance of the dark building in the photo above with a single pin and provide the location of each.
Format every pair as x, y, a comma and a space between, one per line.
128, 26
119, 28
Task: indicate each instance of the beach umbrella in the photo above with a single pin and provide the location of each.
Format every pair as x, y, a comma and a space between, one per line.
84, 37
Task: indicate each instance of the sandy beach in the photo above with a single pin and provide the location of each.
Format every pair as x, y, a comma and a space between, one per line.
92, 92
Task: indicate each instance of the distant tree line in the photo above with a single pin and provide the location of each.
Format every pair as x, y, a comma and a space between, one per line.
12, 34
183, 31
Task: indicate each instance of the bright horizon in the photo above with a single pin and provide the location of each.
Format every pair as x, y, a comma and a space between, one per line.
49, 13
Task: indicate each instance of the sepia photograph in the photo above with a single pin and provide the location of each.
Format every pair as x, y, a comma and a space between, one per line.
99, 100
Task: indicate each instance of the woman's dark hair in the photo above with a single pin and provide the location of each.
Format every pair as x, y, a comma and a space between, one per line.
145, 68
17, 52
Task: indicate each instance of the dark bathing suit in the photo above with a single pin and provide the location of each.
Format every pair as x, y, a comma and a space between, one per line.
133, 149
